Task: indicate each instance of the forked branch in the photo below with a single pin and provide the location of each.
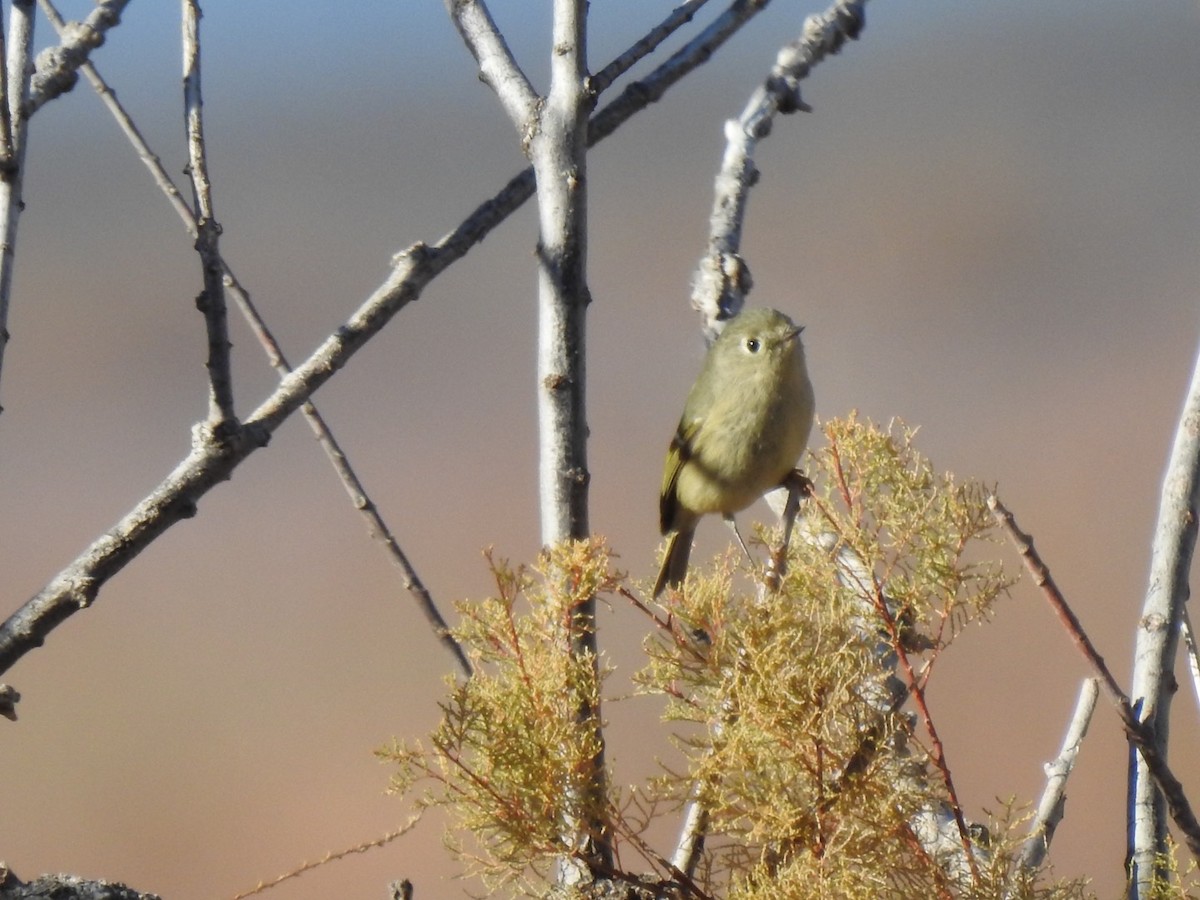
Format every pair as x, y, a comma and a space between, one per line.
723, 278
77, 585
1139, 733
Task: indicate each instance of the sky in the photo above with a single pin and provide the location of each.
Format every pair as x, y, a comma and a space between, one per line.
987, 225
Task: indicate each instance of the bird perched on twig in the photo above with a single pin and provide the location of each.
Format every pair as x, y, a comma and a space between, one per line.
745, 423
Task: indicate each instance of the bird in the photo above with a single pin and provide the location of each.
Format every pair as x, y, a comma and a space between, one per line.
745, 423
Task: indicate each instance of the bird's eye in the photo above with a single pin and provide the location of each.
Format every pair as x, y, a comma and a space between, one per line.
752, 344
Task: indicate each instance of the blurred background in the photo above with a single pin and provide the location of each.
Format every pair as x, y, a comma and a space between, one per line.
988, 226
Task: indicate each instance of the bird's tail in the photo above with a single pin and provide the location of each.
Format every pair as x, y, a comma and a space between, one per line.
675, 561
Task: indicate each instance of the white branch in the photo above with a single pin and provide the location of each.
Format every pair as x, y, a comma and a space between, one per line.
1158, 634
557, 148
821, 35
1140, 732
19, 69
7, 148
680, 16
109, 98
498, 68
723, 278
692, 833
80, 582
559, 155
329, 443
211, 302
57, 66
1054, 797
210, 462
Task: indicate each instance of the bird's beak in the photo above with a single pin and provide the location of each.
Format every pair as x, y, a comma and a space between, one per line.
795, 332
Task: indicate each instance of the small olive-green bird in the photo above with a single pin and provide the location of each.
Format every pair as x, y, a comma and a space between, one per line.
744, 426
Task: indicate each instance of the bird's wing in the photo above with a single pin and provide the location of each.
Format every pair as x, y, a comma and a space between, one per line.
678, 454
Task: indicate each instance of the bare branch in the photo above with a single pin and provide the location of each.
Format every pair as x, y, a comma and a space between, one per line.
19, 69
937, 749
1152, 684
1054, 798
109, 98
497, 67
175, 498
210, 463
692, 832
557, 147
1139, 732
559, 155
639, 94
221, 417
57, 66
695, 820
241, 298
379, 530
723, 278
632, 100
332, 856
680, 16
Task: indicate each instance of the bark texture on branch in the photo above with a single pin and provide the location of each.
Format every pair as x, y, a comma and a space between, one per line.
1153, 684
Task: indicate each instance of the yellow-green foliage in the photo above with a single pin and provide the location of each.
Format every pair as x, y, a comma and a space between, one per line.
915, 526
1172, 883
788, 706
513, 754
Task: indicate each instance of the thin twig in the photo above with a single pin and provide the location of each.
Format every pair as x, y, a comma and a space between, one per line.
853, 572
795, 486
723, 278
917, 691
19, 70
1139, 733
680, 16
1043, 579
57, 66
356, 490
682, 883
497, 67
1054, 798
221, 416
109, 98
332, 856
637, 95
175, 498
820, 36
